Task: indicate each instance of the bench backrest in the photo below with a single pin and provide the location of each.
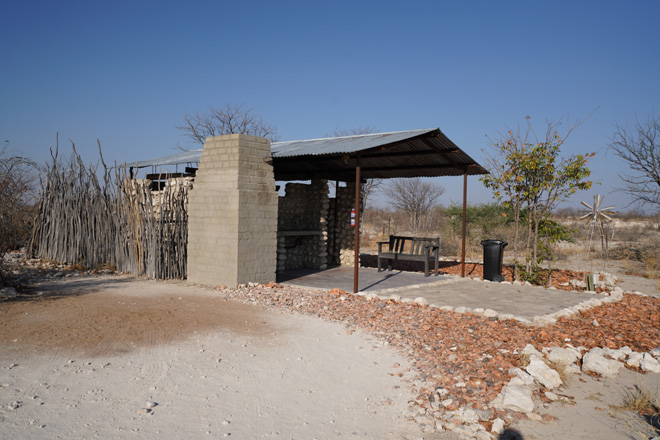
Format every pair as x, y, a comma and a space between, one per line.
411, 245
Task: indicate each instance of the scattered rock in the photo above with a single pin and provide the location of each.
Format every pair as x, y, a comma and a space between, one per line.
466, 416
498, 426
545, 375
596, 362
421, 301
551, 396
618, 355
649, 363
530, 350
489, 313
634, 359
563, 356
515, 398
8, 292
521, 378
534, 416
541, 321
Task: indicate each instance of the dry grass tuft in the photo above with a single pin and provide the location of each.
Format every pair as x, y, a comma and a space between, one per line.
524, 361
562, 370
641, 258
641, 400
645, 404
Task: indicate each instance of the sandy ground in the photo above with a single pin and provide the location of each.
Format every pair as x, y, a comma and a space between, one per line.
592, 412
110, 357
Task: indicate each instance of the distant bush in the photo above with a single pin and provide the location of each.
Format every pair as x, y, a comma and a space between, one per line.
17, 191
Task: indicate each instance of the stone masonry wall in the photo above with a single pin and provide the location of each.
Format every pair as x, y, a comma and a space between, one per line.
303, 226
232, 236
344, 234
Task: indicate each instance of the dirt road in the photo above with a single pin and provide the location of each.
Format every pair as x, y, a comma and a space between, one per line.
111, 357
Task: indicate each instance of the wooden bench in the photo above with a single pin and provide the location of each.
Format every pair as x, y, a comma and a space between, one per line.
412, 249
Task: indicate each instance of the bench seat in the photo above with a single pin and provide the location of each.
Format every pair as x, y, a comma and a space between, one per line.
410, 249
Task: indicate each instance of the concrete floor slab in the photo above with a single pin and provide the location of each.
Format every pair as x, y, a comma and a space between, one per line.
370, 280
442, 290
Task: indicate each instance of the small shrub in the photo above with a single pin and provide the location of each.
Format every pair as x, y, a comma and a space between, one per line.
537, 276
623, 253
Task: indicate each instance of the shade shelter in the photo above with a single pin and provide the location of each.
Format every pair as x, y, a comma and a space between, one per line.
413, 153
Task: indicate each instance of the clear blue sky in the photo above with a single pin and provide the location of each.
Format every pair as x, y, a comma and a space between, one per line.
127, 72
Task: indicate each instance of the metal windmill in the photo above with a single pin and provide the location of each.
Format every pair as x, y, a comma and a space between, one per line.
599, 218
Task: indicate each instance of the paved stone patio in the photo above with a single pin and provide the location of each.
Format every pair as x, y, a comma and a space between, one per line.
442, 290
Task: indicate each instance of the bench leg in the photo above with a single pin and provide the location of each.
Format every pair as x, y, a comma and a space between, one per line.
436, 266
379, 268
426, 267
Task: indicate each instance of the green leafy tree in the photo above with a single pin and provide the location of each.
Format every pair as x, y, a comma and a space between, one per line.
486, 218
528, 172
550, 232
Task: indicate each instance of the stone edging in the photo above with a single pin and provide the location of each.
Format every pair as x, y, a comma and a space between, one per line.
614, 295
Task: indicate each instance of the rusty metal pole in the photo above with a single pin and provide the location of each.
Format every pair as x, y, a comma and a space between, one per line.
356, 264
464, 222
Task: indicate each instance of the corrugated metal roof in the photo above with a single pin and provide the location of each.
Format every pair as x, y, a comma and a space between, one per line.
192, 156
344, 144
412, 153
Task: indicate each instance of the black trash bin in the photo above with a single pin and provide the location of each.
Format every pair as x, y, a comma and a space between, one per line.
493, 255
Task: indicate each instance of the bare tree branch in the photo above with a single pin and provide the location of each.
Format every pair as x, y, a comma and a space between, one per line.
372, 185
17, 198
414, 196
355, 131
640, 147
230, 119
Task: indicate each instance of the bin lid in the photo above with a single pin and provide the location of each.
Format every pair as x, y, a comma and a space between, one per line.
494, 243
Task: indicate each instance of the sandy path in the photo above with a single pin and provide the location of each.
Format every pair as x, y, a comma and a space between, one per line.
83, 360
595, 415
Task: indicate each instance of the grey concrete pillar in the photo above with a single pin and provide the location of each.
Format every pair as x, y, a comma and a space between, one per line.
232, 230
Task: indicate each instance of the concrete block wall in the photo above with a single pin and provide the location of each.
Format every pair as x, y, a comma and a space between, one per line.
232, 229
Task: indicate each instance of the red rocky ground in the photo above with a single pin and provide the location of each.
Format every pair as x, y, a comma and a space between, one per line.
447, 348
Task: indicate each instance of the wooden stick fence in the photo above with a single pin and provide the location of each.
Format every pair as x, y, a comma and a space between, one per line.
118, 223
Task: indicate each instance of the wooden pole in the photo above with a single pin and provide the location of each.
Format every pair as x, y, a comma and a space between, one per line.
464, 222
356, 264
